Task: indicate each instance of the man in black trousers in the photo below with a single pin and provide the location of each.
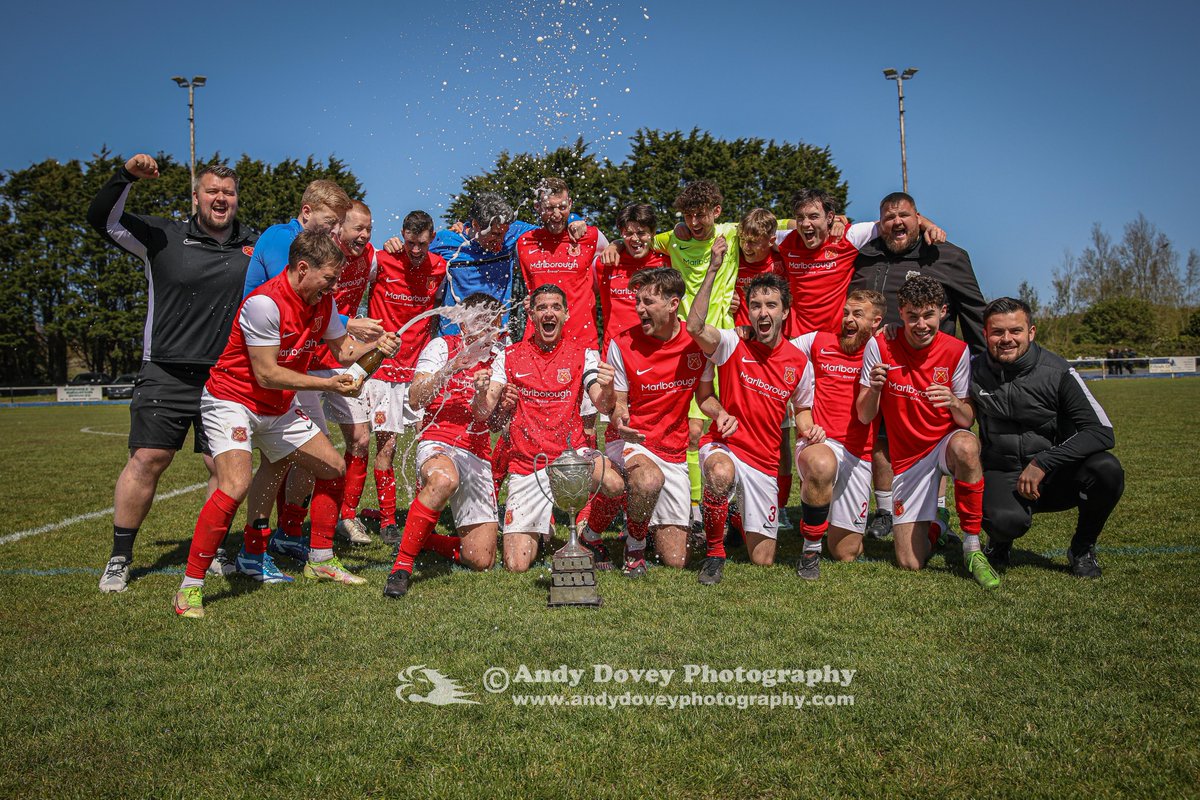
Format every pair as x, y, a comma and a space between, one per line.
1045, 440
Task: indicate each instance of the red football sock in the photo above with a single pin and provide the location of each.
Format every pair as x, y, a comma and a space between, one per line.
385, 488
255, 536
639, 530
785, 490
602, 511
446, 546
735, 521
211, 527
968, 501
291, 518
327, 499
356, 478
420, 523
716, 511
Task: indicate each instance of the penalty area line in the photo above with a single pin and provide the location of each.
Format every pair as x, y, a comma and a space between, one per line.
53, 526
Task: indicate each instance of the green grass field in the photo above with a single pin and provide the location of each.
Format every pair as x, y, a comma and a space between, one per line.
1049, 687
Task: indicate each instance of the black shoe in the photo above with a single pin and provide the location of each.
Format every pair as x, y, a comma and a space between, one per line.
1084, 565
712, 571
999, 554
397, 584
809, 567
880, 525
600, 557
391, 534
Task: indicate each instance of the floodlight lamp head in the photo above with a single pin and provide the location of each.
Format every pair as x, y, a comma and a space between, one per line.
200, 80
890, 74
908, 73
179, 79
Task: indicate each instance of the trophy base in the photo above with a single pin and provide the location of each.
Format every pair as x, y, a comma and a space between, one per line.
573, 581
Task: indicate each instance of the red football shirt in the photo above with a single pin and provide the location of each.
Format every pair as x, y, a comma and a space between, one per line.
661, 378
820, 278
401, 292
758, 386
348, 295
747, 272
275, 316
448, 417
618, 303
550, 388
553, 258
835, 375
914, 426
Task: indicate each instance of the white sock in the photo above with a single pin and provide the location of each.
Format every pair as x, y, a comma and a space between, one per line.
191, 582
812, 546
633, 545
319, 554
883, 500
971, 543
589, 535
941, 501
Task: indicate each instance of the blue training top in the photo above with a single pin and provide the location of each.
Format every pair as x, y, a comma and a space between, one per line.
270, 254
471, 268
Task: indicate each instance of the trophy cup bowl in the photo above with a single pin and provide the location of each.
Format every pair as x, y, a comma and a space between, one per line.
573, 571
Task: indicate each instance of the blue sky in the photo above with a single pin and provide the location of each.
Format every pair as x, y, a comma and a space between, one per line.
1027, 123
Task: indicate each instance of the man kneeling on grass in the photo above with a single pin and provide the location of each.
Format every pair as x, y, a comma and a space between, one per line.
249, 401
920, 380
453, 465
1046, 440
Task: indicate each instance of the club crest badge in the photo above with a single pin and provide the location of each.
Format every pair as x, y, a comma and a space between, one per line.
573, 249
318, 323
898, 507
941, 375
248, 250
508, 517
830, 255
789, 375
240, 435
694, 361
564, 376
380, 417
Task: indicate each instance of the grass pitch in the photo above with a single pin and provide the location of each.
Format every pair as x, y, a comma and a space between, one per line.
1048, 687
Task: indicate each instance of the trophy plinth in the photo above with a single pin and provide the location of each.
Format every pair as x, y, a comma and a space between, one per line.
572, 570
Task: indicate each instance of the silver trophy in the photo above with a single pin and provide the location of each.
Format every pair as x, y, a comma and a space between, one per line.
573, 570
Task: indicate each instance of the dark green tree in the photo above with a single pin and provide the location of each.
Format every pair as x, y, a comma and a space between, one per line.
750, 173
1120, 320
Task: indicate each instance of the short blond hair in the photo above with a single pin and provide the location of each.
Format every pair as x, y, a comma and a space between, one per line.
759, 223
328, 194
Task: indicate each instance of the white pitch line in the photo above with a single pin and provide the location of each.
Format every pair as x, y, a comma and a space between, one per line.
101, 433
13, 537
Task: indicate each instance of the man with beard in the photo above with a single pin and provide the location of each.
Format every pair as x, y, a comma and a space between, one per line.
920, 380
1045, 440
551, 378
883, 265
761, 380
656, 367
195, 269
834, 457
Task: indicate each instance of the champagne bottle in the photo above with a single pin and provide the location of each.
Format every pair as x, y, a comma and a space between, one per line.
364, 368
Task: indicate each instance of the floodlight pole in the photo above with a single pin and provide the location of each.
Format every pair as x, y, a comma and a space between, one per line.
191, 86
900, 78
